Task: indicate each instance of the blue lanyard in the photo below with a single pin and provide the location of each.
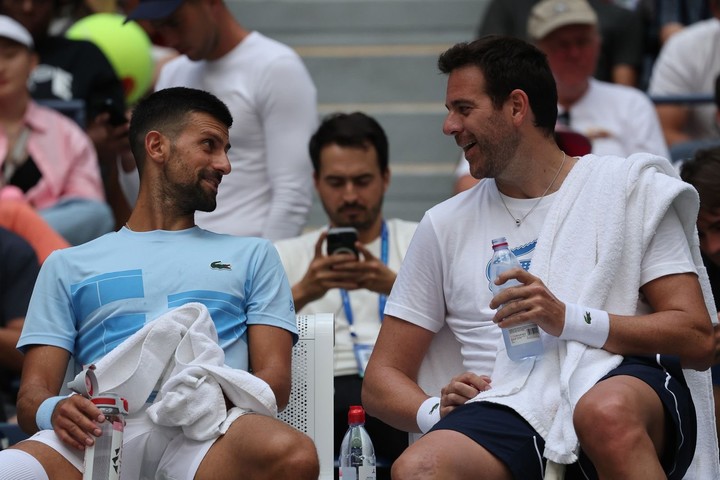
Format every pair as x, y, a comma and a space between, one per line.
382, 298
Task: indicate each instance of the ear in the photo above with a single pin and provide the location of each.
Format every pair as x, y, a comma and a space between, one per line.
386, 180
519, 106
316, 179
157, 147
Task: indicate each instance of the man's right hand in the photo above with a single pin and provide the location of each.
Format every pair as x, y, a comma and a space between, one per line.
462, 388
75, 421
321, 277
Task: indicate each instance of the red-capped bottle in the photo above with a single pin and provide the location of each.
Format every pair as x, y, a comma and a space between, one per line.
357, 454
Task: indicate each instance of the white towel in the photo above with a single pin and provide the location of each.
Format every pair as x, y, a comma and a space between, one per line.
179, 350
602, 206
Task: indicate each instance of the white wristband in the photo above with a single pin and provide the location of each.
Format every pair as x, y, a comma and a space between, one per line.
586, 325
428, 414
43, 416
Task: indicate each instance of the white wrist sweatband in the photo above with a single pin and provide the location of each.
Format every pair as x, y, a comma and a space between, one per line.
586, 325
428, 414
43, 416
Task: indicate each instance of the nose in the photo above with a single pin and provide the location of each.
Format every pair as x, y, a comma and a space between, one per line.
223, 164
451, 124
349, 192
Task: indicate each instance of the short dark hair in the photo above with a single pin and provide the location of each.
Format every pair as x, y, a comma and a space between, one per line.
508, 63
166, 111
349, 130
702, 171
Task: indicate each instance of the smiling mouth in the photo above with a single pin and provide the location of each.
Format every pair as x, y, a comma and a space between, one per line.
468, 146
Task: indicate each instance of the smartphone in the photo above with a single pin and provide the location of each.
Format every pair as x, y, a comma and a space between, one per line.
342, 240
117, 115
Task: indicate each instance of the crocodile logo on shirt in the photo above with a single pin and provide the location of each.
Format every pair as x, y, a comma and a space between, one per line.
587, 318
218, 265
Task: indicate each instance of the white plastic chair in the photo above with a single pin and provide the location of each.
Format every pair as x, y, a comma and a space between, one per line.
310, 409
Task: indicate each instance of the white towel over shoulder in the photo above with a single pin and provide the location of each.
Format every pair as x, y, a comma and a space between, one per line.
608, 207
179, 351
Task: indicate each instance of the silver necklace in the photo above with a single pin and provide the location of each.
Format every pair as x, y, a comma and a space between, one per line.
518, 221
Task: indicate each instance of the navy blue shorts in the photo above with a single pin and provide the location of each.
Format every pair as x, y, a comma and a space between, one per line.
715, 369
505, 434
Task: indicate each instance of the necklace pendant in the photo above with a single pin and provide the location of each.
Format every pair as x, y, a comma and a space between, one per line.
517, 222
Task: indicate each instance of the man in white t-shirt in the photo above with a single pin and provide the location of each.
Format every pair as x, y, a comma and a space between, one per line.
612, 277
273, 101
349, 154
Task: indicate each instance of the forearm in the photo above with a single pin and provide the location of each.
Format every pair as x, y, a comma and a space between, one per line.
394, 398
279, 383
666, 332
30, 397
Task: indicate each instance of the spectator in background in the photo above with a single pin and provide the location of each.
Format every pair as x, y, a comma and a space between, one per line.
22, 219
349, 155
617, 119
272, 98
18, 272
622, 32
688, 64
77, 69
703, 173
46, 158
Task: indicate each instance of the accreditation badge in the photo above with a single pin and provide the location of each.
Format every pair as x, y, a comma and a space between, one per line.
362, 356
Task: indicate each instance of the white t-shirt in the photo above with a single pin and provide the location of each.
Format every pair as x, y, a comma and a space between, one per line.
273, 103
444, 277
687, 65
296, 255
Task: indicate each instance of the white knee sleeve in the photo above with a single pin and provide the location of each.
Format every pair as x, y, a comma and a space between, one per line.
19, 465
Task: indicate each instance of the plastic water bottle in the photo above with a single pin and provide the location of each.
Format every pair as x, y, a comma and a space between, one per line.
103, 459
357, 454
521, 341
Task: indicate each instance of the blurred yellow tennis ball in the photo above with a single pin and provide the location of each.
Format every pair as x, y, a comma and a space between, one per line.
126, 46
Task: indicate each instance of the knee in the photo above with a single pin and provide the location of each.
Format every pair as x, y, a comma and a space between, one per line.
413, 464
293, 456
605, 426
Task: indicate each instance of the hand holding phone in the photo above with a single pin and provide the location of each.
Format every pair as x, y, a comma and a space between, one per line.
342, 240
117, 115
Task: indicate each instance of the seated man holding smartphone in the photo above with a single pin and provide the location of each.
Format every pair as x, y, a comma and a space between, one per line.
349, 153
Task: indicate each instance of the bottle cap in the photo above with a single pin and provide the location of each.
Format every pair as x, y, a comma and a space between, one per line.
356, 415
499, 242
85, 383
111, 400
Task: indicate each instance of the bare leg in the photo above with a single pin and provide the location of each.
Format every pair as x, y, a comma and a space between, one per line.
260, 447
55, 465
621, 426
444, 454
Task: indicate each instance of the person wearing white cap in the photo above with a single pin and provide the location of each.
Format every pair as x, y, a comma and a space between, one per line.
46, 159
619, 120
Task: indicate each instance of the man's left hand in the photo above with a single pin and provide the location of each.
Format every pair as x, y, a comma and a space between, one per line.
531, 302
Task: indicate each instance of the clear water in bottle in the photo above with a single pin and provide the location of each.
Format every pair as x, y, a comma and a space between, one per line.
357, 454
104, 457
521, 341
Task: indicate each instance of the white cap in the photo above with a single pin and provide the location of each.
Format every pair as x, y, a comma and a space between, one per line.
12, 30
549, 15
